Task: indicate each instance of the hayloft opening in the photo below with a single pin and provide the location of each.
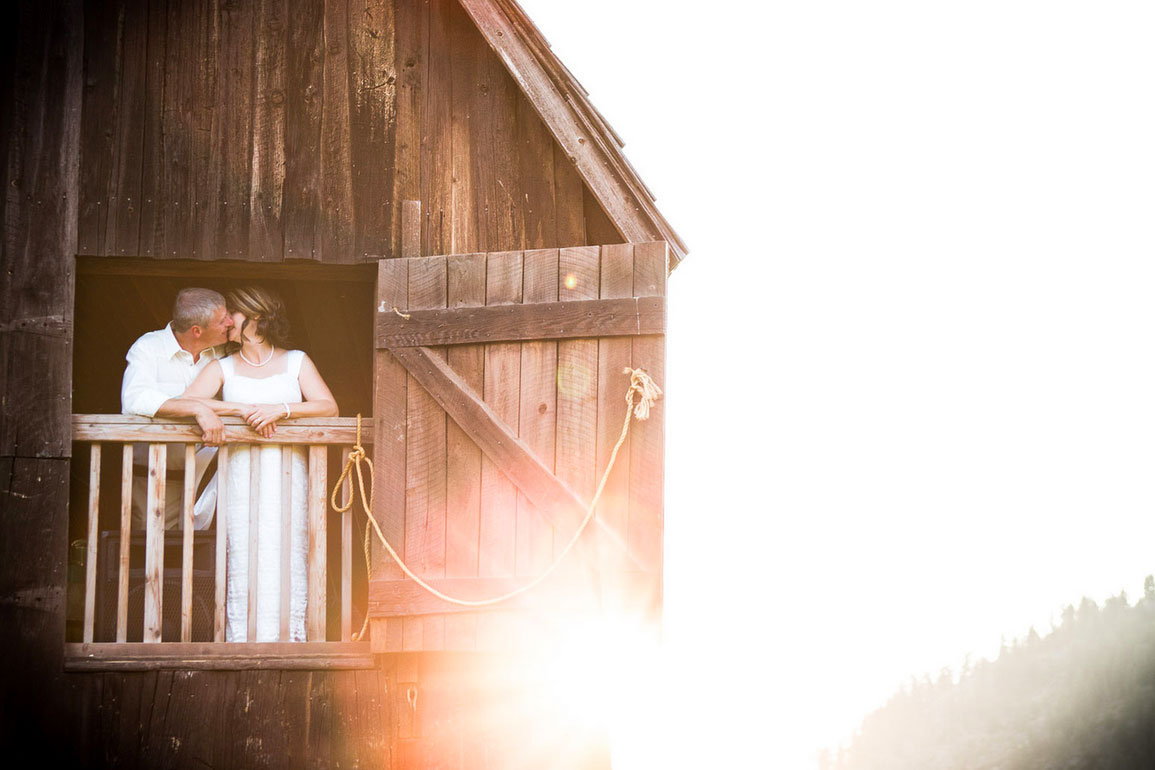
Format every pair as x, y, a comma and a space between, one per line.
331, 314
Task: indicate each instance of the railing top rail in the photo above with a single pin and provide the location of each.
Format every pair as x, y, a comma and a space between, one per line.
298, 430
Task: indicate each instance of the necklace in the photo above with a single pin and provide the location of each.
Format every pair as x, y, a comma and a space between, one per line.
254, 364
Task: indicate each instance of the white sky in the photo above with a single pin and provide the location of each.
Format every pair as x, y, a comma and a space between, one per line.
910, 372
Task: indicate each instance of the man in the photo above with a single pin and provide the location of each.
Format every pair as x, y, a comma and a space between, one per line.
161, 365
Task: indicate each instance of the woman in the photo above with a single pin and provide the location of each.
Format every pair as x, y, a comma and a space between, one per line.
264, 382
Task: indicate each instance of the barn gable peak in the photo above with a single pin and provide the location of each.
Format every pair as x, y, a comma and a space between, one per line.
579, 129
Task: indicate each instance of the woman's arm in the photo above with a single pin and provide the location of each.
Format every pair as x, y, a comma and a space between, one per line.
319, 402
205, 388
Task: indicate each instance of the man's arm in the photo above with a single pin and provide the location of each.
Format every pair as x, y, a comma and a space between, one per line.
140, 394
212, 429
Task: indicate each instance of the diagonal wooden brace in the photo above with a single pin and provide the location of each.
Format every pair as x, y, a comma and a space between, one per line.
552, 497
558, 502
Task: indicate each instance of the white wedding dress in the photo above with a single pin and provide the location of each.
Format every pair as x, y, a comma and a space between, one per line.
271, 389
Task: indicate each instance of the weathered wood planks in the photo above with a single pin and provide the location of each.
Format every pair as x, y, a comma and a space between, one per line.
316, 507
545, 410
154, 543
647, 442
463, 475
407, 598
303, 112
267, 172
373, 84
299, 430
607, 317
614, 356
203, 138
226, 656
537, 421
426, 460
274, 131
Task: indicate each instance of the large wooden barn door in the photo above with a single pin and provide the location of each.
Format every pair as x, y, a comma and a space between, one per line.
500, 393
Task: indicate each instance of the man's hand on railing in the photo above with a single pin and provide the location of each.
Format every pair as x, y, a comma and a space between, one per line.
212, 428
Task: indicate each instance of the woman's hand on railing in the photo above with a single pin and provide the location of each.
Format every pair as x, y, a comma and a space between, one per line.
262, 418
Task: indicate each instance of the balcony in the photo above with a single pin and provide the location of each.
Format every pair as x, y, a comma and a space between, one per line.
129, 578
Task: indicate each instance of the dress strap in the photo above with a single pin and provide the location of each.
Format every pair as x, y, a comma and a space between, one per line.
227, 368
293, 365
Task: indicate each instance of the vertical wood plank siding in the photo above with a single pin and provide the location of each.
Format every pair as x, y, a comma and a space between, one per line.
276, 130
463, 477
426, 463
41, 83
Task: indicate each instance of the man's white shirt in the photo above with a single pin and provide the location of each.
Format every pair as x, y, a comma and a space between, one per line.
158, 369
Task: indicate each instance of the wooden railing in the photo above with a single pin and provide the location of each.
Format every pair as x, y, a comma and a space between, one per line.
162, 437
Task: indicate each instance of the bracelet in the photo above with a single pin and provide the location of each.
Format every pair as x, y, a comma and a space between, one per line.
288, 411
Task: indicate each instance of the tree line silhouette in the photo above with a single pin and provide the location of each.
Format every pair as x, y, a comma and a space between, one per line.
1081, 697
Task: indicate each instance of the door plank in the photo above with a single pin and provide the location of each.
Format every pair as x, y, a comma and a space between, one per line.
426, 463
463, 481
614, 355
537, 422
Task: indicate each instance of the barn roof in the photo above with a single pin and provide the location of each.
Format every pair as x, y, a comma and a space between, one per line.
580, 130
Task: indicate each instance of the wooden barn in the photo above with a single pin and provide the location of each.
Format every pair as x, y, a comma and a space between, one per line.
474, 267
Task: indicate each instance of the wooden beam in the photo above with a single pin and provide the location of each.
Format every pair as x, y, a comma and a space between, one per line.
222, 269
226, 656
554, 499
390, 598
629, 316
302, 430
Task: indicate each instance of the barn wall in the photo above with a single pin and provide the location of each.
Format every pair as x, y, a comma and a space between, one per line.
270, 130
40, 82
249, 719
260, 131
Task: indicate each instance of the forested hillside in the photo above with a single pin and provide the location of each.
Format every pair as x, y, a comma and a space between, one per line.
1081, 697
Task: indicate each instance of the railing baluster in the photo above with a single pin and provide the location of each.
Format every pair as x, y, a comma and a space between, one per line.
346, 556
90, 557
154, 543
125, 544
286, 537
315, 608
186, 570
254, 516
221, 561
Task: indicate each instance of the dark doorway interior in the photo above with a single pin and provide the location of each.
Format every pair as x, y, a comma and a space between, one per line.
117, 300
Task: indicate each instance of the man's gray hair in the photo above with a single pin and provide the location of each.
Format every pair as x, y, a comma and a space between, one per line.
195, 307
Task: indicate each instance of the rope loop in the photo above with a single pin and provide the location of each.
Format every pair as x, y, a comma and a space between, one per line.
641, 385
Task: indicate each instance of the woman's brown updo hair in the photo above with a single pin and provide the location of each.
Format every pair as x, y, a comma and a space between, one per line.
264, 314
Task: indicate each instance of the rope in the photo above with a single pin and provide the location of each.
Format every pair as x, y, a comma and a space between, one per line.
640, 383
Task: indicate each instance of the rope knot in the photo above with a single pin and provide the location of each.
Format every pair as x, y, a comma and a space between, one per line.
644, 385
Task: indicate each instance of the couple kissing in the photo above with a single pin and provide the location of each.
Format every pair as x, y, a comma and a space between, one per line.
235, 347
